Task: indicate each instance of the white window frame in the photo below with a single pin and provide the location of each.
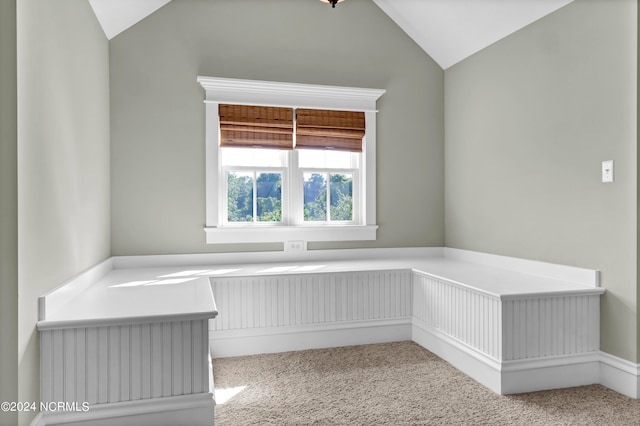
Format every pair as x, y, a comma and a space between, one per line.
292, 95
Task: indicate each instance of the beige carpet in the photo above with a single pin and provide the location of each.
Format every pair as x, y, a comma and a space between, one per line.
393, 384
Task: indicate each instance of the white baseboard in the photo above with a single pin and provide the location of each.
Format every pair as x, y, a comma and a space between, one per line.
195, 409
510, 377
620, 375
532, 375
479, 367
313, 336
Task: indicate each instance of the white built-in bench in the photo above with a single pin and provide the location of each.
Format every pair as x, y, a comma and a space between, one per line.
136, 352
513, 325
131, 336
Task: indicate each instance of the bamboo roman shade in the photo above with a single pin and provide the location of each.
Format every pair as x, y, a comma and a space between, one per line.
256, 126
325, 129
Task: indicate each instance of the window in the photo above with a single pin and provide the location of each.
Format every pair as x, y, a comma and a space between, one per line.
289, 162
330, 186
253, 197
273, 175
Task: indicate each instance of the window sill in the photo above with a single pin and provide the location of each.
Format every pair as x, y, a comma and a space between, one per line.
276, 234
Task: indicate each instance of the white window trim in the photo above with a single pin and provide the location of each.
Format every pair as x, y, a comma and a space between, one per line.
267, 93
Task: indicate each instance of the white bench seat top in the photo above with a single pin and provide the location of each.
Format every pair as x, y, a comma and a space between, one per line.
127, 296
157, 293
502, 283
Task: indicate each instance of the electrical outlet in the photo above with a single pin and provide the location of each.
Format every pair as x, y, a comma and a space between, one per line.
295, 246
607, 171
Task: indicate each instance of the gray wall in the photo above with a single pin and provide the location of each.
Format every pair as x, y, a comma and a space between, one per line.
63, 160
158, 115
528, 122
8, 210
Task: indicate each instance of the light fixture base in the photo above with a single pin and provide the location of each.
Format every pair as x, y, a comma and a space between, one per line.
332, 2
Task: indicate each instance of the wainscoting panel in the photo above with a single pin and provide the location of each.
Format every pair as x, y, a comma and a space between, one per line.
117, 363
293, 300
466, 315
551, 326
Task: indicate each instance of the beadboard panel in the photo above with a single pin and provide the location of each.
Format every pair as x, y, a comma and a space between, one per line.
112, 364
292, 300
527, 327
461, 313
551, 326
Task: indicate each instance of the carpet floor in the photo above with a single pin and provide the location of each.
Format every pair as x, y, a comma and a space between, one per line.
392, 384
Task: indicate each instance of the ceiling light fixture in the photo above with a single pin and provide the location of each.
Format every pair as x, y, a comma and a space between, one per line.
332, 2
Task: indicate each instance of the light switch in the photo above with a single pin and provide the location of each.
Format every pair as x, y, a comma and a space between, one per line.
607, 171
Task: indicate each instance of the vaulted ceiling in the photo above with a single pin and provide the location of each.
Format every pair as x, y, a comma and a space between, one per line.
447, 30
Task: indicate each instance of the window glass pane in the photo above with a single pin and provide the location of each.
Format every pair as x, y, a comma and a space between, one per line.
315, 197
341, 196
269, 197
253, 157
240, 197
327, 159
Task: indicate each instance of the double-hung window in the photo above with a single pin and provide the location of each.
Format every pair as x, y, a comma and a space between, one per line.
255, 142
289, 162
